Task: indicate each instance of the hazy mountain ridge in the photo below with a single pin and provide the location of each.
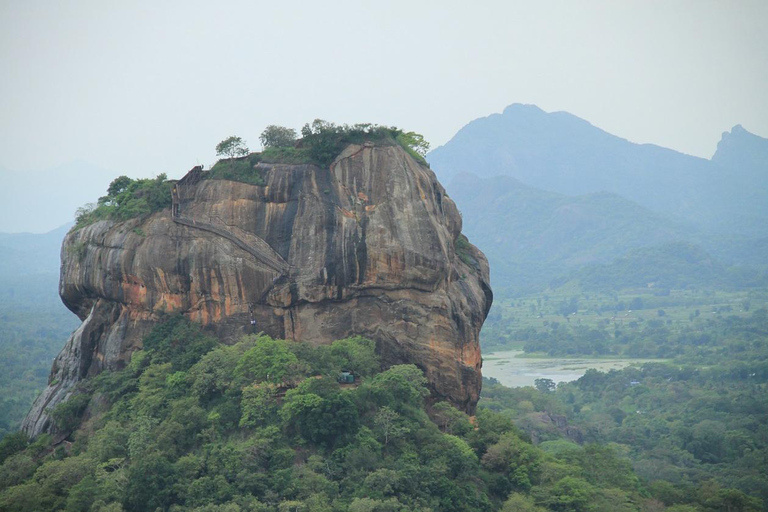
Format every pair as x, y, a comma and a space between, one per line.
532, 236
565, 154
544, 194
28, 253
673, 265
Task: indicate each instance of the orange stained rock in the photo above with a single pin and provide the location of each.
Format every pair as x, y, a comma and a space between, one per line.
408, 301
470, 355
134, 291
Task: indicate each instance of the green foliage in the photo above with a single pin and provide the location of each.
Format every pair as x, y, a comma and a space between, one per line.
691, 430
357, 354
521, 503
259, 405
263, 425
282, 155
389, 424
464, 251
268, 361
34, 324
545, 385
12, 444
324, 141
672, 265
126, 199
415, 144
179, 342
324, 418
238, 169
275, 136
450, 419
232, 147
404, 385
213, 377
67, 414
34, 328
626, 324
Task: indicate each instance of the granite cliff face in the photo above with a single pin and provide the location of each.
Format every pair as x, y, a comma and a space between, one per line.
366, 247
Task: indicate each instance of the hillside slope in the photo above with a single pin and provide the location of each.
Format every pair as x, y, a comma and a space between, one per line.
532, 236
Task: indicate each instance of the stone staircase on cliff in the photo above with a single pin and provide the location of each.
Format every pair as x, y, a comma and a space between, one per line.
257, 247
248, 242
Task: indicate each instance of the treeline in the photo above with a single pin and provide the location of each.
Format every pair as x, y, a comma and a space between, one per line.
654, 338
675, 265
264, 425
33, 327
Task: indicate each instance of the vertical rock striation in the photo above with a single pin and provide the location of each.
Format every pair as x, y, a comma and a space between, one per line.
367, 246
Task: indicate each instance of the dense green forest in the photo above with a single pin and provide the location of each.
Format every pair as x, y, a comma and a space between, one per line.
34, 324
32, 334
264, 425
643, 322
693, 428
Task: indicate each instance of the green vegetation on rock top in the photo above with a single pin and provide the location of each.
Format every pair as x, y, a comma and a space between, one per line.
320, 143
237, 169
127, 198
324, 141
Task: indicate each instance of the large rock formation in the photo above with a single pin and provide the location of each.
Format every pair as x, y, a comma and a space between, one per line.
366, 247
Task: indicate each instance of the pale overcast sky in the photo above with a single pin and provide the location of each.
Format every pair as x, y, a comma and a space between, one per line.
140, 88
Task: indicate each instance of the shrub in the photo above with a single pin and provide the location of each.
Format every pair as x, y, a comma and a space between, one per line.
239, 169
464, 252
324, 141
66, 415
126, 199
275, 136
179, 342
293, 156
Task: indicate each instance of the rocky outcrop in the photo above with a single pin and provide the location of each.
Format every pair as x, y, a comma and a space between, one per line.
367, 246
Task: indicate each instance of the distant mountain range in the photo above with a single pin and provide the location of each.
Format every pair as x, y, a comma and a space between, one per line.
562, 153
532, 236
22, 254
544, 195
29, 272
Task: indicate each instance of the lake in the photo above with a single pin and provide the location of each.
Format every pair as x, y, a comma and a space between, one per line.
514, 371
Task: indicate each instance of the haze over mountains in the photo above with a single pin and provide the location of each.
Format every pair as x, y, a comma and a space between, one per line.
39, 201
544, 193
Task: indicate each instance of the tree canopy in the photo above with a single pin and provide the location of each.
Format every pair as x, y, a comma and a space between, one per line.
232, 147
263, 425
275, 136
